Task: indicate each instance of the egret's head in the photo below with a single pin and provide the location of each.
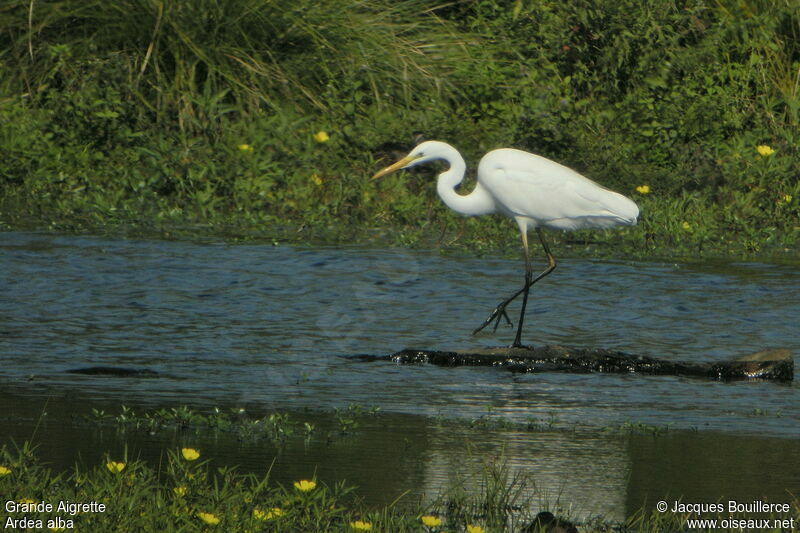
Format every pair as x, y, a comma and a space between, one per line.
427, 151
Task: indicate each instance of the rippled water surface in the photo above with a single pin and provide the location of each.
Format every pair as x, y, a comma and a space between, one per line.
270, 327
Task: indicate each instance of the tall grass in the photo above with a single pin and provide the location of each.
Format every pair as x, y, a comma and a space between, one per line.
133, 110
173, 57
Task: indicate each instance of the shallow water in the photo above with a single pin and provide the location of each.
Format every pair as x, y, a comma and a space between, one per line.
269, 327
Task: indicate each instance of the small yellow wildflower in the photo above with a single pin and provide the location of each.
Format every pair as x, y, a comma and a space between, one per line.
26, 500
245, 148
208, 518
179, 491
316, 179
56, 528
764, 150
786, 198
475, 529
114, 467
686, 226
361, 525
275, 512
190, 454
4, 471
643, 189
321, 137
431, 521
305, 485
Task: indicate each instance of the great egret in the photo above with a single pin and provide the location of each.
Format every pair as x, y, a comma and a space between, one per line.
533, 190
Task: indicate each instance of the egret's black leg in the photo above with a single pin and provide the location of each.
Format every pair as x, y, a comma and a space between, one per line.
525, 290
499, 312
551, 265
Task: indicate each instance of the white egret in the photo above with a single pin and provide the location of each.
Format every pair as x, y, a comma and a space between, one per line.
535, 191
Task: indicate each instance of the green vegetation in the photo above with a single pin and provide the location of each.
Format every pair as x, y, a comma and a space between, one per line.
152, 113
185, 493
275, 427
183, 490
279, 428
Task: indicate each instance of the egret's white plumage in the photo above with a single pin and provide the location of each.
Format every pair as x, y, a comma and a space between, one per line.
533, 190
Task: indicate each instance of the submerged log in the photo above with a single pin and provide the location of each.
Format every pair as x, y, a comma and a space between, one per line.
115, 371
773, 364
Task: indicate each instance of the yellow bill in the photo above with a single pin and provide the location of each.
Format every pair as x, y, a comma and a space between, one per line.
393, 167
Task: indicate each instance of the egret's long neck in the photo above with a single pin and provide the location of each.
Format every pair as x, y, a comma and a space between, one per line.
478, 202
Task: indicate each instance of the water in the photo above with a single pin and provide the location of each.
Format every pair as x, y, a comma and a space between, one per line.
269, 327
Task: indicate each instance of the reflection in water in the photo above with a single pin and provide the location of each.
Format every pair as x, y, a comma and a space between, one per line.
710, 467
263, 326
584, 474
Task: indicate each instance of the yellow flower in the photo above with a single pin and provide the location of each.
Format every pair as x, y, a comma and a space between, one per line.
764, 150
305, 485
361, 526
316, 179
56, 528
686, 226
475, 529
4, 471
179, 491
26, 500
321, 137
275, 512
786, 198
431, 521
115, 467
643, 189
208, 518
245, 148
190, 454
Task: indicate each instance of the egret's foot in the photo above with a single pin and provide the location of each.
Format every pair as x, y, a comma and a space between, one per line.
522, 346
497, 314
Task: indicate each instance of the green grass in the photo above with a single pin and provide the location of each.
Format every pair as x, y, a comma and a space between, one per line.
146, 114
284, 429
185, 492
276, 427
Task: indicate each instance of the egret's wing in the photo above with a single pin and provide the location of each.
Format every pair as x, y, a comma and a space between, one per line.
551, 194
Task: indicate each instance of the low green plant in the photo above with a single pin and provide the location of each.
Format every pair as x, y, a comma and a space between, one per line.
276, 427
186, 493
